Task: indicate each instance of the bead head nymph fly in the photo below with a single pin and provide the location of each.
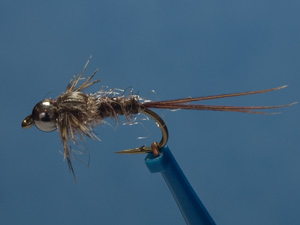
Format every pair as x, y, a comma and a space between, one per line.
75, 113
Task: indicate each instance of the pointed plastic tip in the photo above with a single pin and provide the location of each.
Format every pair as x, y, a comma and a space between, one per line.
281, 87
293, 103
284, 86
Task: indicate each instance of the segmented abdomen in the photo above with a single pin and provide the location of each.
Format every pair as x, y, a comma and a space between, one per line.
117, 106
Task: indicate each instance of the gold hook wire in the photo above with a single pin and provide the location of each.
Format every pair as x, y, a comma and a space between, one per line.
155, 146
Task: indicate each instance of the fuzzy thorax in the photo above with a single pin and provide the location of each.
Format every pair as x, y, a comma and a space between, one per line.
78, 110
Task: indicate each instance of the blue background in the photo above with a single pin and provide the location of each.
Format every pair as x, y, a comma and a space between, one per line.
244, 167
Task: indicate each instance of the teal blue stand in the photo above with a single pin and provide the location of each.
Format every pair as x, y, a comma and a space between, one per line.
187, 200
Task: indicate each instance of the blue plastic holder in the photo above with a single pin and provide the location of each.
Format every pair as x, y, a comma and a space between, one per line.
191, 207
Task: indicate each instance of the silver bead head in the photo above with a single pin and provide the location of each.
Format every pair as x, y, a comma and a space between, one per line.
44, 116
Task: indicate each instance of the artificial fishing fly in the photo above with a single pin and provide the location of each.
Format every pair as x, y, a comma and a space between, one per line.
75, 113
